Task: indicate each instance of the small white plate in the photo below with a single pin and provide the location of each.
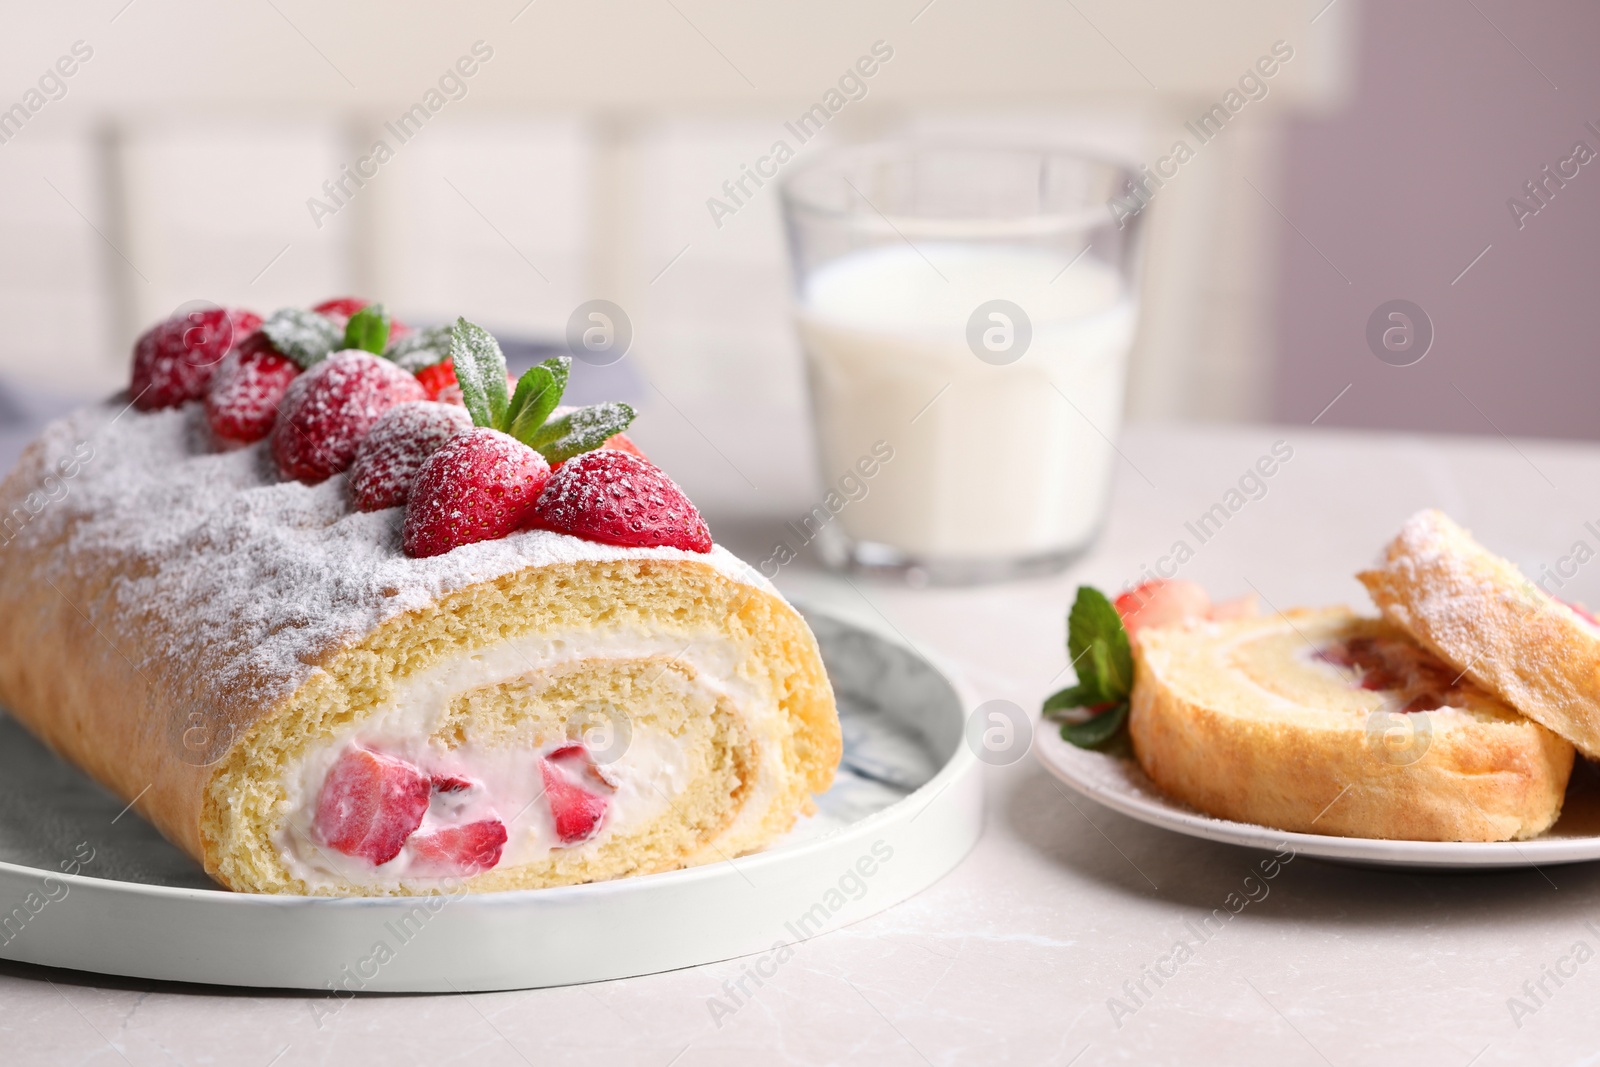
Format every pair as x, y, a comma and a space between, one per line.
1120, 785
906, 806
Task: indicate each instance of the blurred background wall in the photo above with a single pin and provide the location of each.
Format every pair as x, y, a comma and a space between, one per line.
1455, 106
182, 157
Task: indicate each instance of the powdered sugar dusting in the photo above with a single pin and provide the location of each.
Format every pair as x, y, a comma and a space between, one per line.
238, 582
1479, 613
1451, 577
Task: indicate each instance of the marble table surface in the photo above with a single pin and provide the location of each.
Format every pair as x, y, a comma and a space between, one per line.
1022, 953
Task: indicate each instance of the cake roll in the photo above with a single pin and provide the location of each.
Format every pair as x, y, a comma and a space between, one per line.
265, 674
1326, 722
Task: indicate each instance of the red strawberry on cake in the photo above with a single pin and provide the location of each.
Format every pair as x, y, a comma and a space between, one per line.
329, 409
174, 361
242, 403
341, 309
620, 499
438, 377
247, 392
481, 485
485, 483
388, 459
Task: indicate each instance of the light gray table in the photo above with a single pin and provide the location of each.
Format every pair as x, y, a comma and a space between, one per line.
1014, 956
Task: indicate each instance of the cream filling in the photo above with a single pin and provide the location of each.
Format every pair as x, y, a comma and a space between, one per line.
1342, 681
647, 770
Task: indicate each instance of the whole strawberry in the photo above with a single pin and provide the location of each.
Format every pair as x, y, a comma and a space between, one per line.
484, 483
341, 309
437, 377
388, 460
330, 408
242, 402
480, 485
174, 361
618, 498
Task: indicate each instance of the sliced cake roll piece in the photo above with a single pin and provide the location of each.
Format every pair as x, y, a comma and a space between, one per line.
1330, 723
1479, 613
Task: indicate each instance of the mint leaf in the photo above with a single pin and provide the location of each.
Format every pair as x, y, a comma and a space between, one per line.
1099, 646
1100, 671
1073, 696
1095, 732
368, 330
481, 373
303, 336
420, 349
538, 392
1101, 655
580, 431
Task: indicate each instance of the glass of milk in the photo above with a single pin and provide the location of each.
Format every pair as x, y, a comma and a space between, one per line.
966, 314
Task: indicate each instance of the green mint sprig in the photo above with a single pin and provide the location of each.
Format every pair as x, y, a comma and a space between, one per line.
1100, 652
368, 330
536, 396
580, 431
525, 413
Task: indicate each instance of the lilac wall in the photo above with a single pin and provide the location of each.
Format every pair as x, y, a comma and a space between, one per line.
1403, 187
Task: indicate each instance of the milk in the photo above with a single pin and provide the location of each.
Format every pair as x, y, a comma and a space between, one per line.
1000, 465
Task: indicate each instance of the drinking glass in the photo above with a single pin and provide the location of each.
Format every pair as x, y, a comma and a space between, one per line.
966, 313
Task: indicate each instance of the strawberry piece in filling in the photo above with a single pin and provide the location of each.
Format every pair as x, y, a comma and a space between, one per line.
577, 790
370, 804
1420, 681
465, 849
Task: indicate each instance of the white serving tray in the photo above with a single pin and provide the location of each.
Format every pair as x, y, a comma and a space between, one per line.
1120, 785
906, 808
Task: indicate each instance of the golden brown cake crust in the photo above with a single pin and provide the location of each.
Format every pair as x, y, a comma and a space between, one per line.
1227, 719
1478, 612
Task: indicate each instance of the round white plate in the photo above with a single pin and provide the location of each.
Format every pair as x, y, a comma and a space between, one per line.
906, 807
1120, 785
